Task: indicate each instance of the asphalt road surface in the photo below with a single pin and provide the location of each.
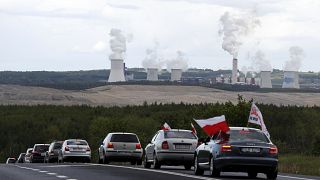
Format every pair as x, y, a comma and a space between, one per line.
77, 171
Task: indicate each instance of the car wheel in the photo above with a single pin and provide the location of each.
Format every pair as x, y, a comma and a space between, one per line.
139, 162
146, 164
187, 166
105, 160
100, 161
197, 170
272, 175
252, 175
133, 162
156, 163
213, 171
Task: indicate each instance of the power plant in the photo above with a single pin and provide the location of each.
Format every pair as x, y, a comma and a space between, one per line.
152, 74
116, 71
291, 80
265, 79
176, 74
234, 78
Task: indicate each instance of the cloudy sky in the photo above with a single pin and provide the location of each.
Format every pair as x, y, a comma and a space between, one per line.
73, 34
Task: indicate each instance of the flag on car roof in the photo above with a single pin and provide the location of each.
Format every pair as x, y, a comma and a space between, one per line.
255, 117
214, 125
193, 129
165, 127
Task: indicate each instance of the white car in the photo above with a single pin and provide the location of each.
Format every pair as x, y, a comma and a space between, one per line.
171, 147
28, 155
75, 150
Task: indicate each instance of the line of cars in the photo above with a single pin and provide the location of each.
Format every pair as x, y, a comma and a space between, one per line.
241, 149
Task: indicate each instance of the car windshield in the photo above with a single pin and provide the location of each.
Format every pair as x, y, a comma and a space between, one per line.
247, 135
130, 138
179, 134
79, 143
57, 146
41, 148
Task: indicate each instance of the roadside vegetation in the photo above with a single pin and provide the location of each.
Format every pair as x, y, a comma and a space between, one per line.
295, 130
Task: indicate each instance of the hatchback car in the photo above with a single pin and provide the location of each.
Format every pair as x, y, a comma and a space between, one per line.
53, 152
239, 150
75, 150
21, 158
28, 155
171, 147
11, 160
124, 147
38, 153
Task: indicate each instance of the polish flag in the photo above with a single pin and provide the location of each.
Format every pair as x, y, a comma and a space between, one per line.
193, 129
166, 127
214, 125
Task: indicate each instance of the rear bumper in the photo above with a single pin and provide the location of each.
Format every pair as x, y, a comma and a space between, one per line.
244, 164
77, 154
171, 156
37, 159
115, 155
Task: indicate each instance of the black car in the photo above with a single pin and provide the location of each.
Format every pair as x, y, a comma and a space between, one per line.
239, 150
53, 152
21, 158
39, 152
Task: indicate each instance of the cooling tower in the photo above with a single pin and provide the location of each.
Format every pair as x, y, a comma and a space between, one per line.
265, 79
291, 80
117, 71
234, 71
176, 74
152, 74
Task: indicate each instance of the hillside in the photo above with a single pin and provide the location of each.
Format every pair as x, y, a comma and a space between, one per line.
122, 95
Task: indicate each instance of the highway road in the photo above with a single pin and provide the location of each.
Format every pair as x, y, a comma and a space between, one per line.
77, 171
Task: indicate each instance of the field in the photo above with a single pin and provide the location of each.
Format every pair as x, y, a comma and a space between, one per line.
300, 164
121, 95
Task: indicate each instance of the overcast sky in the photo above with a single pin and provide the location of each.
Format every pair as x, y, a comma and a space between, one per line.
73, 34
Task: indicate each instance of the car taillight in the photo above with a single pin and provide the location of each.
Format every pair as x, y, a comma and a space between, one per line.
88, 148
110, 145
165, 145
226, 148
138, 146
273, 150
66, 148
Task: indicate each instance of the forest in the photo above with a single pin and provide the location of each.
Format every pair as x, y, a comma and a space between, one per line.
293, 129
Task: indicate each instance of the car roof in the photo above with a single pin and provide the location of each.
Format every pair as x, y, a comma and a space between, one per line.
75, 140
178, 130
121, 133
244, 128
41, 144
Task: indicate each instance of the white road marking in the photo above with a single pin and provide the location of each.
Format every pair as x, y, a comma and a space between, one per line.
62, 177
52, 174
78, 165
43, 171
292, 177
49, 173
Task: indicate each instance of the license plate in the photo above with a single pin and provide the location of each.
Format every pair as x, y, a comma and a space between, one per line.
251, 150
182, 146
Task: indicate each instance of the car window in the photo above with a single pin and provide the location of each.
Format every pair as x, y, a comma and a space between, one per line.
78, 142
155, 137
124, 138
41, 148
248, 135
179, 134
57, 146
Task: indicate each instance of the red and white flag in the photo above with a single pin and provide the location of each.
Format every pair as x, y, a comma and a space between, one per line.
255, 117
214, 125
165, 127
193, 129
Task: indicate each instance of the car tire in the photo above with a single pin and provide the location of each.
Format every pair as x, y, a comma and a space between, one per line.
100, 161
156, 163
133, 162
197, 170
187, 166
272, 174
214, 172
139, 162
146, 164
105, 160
252, 175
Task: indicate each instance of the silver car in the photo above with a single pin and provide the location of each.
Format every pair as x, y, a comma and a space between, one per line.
171, 147
75, 150
123, 147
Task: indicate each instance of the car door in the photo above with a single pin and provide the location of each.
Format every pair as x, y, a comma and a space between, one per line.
151, 146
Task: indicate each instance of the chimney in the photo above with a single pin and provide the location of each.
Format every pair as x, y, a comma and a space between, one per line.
234, 71
116, 71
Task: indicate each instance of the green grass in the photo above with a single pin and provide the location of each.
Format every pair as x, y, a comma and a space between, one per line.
299, 164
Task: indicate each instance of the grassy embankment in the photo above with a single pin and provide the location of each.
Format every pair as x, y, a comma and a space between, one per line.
300, 164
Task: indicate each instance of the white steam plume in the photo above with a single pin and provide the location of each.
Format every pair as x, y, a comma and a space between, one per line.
180, 62
260, 63
152, 59
233, 29
117, 44
296, 56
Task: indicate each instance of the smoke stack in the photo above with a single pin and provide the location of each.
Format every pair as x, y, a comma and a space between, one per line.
265, 79
117, 71
234, 78
291, 80
152, 74
176, 74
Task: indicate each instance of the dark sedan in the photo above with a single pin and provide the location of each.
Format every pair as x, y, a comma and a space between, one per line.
53, 152
239, 150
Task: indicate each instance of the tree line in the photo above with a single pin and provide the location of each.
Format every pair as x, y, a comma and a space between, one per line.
294, 129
